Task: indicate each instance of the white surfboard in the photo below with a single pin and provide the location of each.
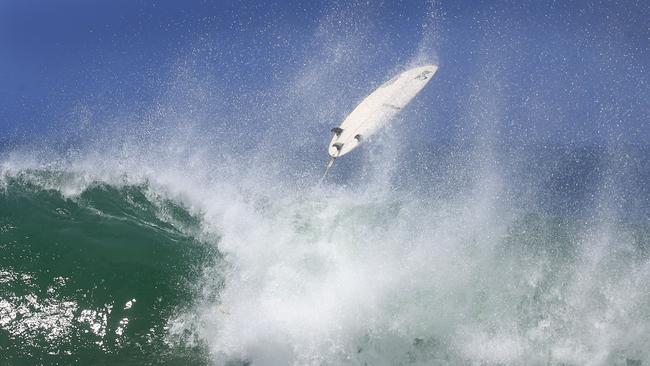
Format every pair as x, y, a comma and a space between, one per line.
377, 109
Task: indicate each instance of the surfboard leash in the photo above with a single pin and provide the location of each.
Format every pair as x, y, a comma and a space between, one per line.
328, 168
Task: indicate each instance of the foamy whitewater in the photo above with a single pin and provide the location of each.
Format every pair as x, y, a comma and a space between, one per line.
483, 249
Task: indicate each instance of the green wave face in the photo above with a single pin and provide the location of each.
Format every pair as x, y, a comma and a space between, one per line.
94, 279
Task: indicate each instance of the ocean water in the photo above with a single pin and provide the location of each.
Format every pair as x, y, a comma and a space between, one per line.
485, 226
92, 279
165, 265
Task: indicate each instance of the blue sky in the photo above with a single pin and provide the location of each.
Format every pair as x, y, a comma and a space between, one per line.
563, 71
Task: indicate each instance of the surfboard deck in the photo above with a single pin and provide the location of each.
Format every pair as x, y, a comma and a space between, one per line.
379, 108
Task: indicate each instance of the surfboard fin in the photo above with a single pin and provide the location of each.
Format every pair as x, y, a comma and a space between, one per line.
358, 137
338, 145
337, 130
